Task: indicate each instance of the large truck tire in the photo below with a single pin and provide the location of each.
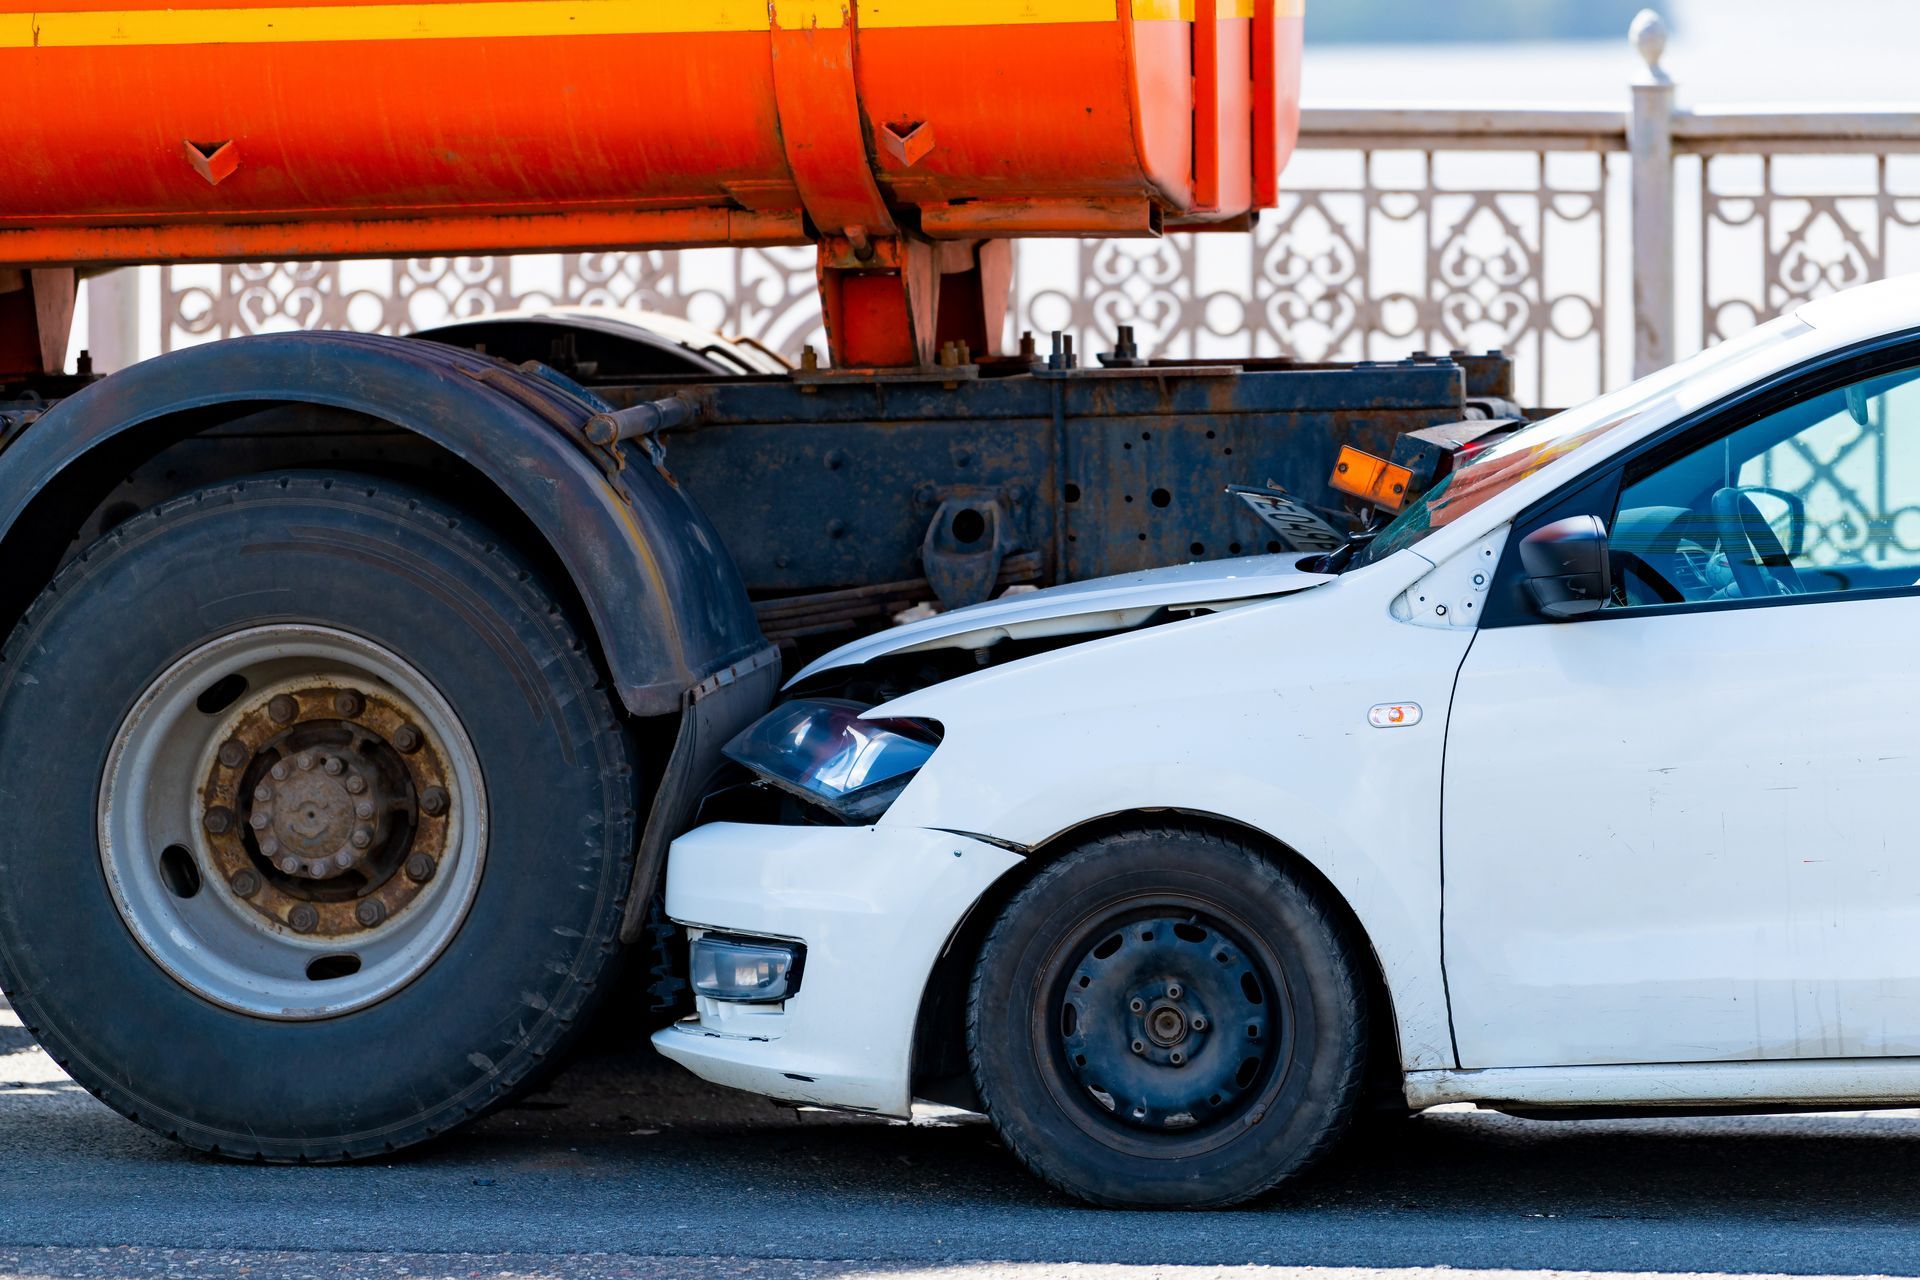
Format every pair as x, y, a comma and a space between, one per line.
318, 819
1167, 1018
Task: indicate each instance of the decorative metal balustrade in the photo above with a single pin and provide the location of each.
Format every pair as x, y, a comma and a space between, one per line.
764, 293
1564, 237
1802, 219
1373, 268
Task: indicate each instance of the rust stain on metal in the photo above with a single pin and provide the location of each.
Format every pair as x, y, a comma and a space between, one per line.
321, 819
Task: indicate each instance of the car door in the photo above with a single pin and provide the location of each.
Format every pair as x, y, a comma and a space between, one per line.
1683, 828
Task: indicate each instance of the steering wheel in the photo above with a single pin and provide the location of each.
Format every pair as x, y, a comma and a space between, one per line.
1767, 571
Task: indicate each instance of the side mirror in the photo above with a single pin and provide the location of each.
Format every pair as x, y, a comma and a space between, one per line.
1568, 573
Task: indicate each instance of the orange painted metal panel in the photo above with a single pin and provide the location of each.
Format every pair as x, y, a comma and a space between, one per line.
237, 128
1277, 40
443, 235
1041, 112
1022, 219
1161, 53
326, 129
820, 128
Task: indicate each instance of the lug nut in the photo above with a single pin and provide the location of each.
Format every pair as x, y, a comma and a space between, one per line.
262, 793
303, 918
333, 766
370, 912
361, 838
348, 703
245, 882
233, 753
420, 868
407, 740
1173, 991
282, 708
343, 859
280, 772
355, 784
1137, 1005
1199, 1022
269, 845
304, 760
434, 801
364, 809
1139, 1046
1177, 1058
289, 864
219, 820
259, 821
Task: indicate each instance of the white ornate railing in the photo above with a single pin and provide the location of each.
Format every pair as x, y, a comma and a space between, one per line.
1563, 236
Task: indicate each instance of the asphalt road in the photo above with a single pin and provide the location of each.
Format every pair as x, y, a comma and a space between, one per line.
629, 1167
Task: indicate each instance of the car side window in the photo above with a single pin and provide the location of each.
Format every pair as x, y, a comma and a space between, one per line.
1821, 496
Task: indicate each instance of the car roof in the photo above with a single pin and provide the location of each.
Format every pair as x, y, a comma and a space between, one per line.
1886, 306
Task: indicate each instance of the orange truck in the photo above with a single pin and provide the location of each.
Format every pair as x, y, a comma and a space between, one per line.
353, 686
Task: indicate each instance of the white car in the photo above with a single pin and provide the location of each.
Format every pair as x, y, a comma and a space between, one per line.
1586, 785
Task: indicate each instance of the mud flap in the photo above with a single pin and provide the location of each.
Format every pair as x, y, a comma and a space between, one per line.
716, 709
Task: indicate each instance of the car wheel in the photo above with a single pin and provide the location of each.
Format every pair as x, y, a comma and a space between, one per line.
1167, 1018
320, 819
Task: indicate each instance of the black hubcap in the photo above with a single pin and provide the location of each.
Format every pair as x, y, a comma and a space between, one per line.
1166, 1023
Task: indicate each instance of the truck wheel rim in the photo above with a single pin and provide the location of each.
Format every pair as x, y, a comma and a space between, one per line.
293, 822
1167, 1023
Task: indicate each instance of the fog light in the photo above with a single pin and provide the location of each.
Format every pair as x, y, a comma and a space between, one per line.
749, 972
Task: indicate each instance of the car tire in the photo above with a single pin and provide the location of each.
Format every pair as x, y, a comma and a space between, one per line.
1168, 1018
435, 692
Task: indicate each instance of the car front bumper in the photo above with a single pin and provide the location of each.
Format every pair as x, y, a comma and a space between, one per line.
874, 906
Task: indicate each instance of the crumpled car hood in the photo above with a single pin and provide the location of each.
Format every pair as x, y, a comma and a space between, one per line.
1098, 604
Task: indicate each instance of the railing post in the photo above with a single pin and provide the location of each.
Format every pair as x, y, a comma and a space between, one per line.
1650, 140
113, 319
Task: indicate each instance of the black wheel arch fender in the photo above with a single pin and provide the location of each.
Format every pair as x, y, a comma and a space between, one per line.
662, 594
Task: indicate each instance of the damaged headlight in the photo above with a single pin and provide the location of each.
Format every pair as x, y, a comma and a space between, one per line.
822, 751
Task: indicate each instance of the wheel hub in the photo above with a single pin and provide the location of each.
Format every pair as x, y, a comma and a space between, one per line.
1166, 1024
326, 808
319, 813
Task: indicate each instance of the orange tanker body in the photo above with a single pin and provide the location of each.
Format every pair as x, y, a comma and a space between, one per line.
899, 134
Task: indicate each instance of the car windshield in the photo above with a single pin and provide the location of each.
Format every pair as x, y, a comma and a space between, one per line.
1492, 472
